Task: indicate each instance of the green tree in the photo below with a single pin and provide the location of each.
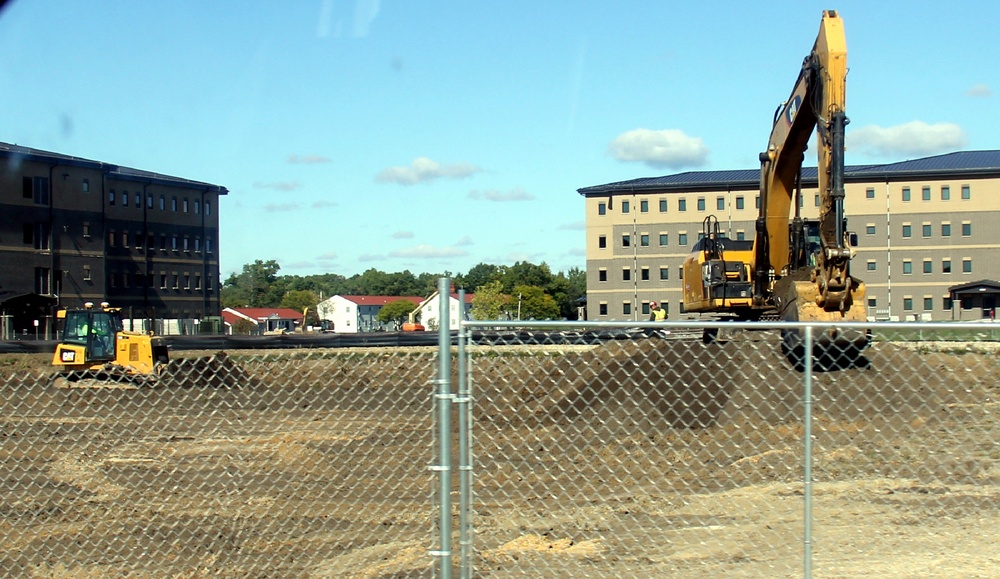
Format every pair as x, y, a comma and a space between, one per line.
533, 303
395, 313
302, 301
489, 302
479, 275
524, 273
256, 287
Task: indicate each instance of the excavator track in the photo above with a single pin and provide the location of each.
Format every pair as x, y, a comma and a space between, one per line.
215, 371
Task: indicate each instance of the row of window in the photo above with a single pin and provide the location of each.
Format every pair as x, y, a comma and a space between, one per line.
176, 242
602, 274
947, 304
944, 193
602, 308
927, 229
167, 281
720, 201
664, 239
183, 204
928, 266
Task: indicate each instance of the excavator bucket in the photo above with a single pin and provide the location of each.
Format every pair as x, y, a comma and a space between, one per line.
833, 347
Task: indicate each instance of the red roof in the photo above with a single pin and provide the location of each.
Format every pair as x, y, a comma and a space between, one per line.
381, 300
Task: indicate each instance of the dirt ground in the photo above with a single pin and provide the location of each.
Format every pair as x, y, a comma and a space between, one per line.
662, 457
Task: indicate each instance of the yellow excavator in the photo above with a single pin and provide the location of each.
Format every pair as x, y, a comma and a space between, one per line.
96, 346
795, 269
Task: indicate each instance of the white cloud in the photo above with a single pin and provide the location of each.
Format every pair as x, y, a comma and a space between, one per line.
516, 194
912, 139
428, 251
979, 90
328, 256
322, 204
574, 226
465, 242
667, 148
276, 207
279, 185
422, 170
402, 235
307, 159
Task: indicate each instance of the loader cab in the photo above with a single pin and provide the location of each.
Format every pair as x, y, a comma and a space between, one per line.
95, 330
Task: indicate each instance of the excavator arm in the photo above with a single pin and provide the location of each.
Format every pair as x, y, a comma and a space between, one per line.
802, 283
816, 103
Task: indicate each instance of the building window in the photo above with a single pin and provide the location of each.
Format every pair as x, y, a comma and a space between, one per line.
602, 241
602, 275
124, 198
739, 202
626, 207
36, 188
149, 201
111, 197
664, 273
720, 203
644, 240
173, 204
946, 303
208, 246
111, 238
740, 235
925, 229
86, 273
601, 208
925, 193
906, 193
626, 240
602, 308
872, 302
85, 186
643, 206
627, 308
176, 279
907, 267
124, 238
966, 229
682, 204
645, 308
86, 230
626, 274
644, 274
871, 265
197, 282
197, 207
701, 204
663, 239
966, 265
665, 306
663, 205
173, 243
907, 230
908, 303
945, 266
945, 193
185, 203
163, 203
138, 240
186, 246
928, 304
756, 202
966, 192
928, 268
682, 239
163, 281
946, 229
870, 229
816, 200
187, 281
870, 193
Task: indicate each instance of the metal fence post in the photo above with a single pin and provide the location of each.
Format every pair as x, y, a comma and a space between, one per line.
443, 398
807, 451
464, 408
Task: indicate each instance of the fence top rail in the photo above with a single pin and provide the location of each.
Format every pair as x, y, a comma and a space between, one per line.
570, 325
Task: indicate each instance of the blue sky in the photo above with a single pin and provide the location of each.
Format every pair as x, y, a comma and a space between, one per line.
435, 135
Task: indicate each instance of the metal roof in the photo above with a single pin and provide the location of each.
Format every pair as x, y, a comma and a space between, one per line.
969, 163
16, 153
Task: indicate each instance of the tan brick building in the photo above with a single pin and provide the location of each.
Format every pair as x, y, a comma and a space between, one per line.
77, 230
924, 226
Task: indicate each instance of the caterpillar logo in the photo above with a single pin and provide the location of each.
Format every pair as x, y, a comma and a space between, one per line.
793, 108
67, 356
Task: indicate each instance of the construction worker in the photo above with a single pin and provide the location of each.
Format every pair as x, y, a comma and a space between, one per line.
656, 313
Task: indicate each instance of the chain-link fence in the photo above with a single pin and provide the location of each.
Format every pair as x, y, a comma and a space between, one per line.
596, 450
658, 451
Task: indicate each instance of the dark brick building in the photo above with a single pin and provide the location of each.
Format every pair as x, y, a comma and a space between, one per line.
76, 230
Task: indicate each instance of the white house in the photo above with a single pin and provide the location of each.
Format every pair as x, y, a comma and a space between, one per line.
429, 311
354, 314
